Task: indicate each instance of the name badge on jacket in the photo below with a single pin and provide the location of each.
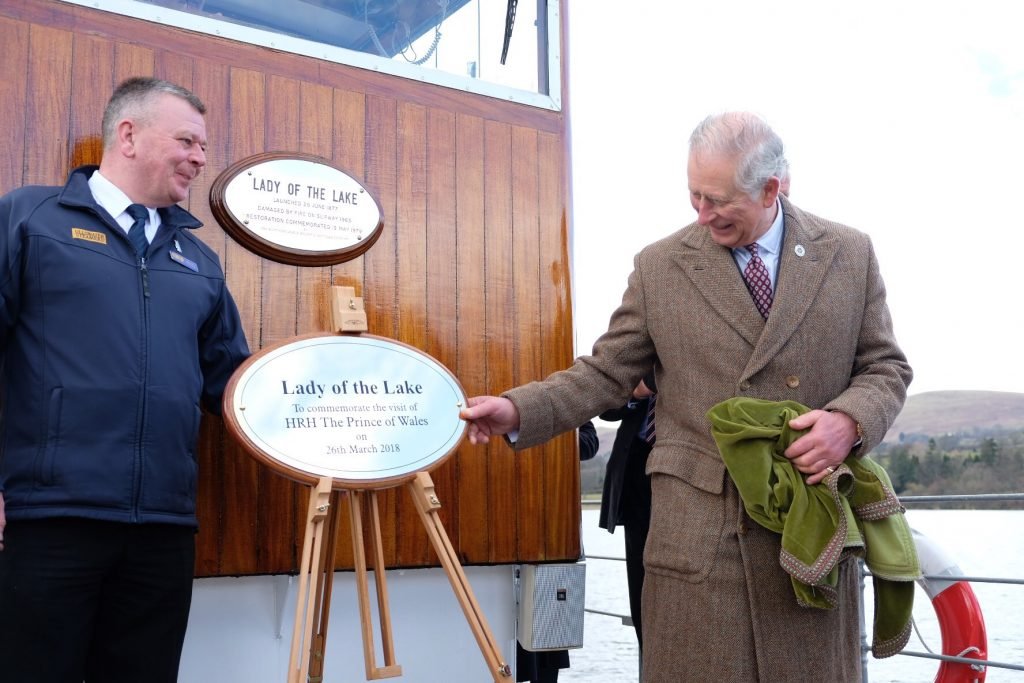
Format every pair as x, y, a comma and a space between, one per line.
188, 263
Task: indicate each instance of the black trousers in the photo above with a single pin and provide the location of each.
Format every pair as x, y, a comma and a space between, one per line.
100, 602
636, 539
636, 520
539, 667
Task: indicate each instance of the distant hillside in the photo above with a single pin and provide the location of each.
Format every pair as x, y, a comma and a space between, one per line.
942, 412
931, 414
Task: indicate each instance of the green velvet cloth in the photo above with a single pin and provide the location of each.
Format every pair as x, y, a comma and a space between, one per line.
853, 510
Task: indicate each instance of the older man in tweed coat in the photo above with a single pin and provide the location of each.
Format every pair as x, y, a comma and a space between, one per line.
717, 606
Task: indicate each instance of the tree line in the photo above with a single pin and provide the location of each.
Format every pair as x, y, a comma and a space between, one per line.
969, 462
982, 461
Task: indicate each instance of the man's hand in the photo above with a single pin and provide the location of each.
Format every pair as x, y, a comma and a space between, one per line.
818, 452
489, 416
3, 521
642, 391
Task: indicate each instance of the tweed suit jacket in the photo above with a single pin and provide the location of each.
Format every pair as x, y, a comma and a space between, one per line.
828, 343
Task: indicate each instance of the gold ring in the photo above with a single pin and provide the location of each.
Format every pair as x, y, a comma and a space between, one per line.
830, 470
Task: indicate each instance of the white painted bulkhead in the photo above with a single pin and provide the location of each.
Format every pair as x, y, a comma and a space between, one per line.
240, 629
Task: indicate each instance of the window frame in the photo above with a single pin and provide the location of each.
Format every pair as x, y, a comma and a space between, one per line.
549, 54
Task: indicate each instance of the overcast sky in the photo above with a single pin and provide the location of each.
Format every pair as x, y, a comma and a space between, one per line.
904, 120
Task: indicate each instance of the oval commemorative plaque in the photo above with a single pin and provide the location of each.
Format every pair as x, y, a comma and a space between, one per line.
297, 209
366, 411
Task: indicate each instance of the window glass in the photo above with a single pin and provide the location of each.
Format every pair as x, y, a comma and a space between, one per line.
498, 47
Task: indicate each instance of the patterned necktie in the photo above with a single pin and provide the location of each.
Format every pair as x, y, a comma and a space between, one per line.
137, 233
755, 275
647, 431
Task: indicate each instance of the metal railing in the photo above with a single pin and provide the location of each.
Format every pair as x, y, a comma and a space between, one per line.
978, 664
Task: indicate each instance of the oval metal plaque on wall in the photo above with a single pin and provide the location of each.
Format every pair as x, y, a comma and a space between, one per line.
297, 209
366, 411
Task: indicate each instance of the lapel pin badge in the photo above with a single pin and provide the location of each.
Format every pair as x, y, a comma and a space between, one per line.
799, 250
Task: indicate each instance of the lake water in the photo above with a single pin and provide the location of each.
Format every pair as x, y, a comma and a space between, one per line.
984, 543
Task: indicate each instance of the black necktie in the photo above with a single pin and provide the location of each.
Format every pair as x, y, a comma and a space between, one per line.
137, 233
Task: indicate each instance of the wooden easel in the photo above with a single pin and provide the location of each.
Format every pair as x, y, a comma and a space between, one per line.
316, 578
312, 586
316, 567
427, 504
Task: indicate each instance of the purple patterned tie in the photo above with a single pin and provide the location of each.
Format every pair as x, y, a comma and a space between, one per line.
755, 275
647, 432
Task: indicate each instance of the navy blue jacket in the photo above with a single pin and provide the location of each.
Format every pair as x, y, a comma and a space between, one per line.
106, 358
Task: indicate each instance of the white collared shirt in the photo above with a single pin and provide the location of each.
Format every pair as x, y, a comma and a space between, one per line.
114, 201
769, 248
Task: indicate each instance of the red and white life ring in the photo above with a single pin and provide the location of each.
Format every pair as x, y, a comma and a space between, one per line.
960, 620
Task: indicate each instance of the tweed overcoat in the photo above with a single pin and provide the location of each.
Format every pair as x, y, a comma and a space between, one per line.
717, 605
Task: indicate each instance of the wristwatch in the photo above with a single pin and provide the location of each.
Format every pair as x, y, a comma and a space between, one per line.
860, 437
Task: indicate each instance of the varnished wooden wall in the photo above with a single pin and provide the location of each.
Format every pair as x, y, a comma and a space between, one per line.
472, 266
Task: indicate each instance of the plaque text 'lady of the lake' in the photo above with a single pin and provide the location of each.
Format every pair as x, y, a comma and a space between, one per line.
297, 209
366, 411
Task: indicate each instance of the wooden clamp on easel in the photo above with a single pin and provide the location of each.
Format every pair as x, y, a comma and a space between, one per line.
316, 566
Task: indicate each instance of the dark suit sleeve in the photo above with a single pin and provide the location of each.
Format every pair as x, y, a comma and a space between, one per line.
223, 348
616, 414
589, 442
651, 381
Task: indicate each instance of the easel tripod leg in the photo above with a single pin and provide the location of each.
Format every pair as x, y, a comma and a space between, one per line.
389, 669
324, 589
319, 505
427, 505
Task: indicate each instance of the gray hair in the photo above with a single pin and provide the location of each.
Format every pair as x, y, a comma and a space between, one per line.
134, 98
746, 136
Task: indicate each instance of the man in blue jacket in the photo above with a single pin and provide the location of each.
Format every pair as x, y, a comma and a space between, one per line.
115, 327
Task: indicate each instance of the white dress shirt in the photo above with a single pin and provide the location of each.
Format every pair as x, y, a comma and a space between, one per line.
769, 248
110, 197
